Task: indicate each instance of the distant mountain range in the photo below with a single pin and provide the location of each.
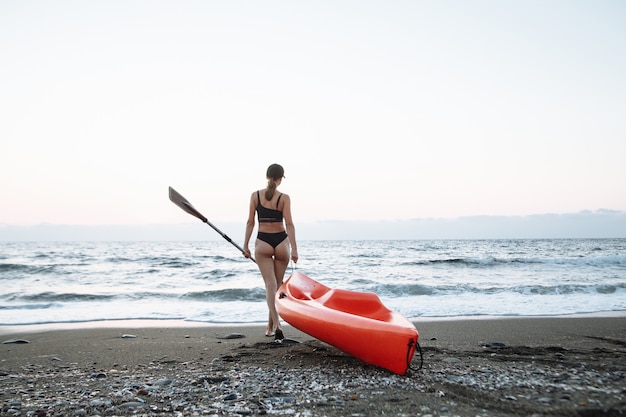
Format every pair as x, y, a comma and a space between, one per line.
586, 224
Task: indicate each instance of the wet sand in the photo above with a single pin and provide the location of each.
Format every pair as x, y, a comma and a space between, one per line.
572, 366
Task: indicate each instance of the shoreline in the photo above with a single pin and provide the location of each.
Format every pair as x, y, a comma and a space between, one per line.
182, 323
503, 366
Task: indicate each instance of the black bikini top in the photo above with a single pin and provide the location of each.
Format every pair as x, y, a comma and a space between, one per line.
266, 215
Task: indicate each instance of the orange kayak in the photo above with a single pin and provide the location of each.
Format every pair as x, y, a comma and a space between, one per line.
355, 322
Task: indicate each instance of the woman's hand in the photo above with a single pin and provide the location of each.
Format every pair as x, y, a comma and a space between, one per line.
246, 253
294, 255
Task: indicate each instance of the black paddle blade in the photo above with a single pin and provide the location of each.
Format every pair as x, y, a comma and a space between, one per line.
182, 202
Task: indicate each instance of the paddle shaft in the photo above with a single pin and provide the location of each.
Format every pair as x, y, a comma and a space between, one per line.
184, 204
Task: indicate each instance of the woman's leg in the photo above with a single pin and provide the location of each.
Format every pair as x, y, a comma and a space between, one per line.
264, 254
281, 261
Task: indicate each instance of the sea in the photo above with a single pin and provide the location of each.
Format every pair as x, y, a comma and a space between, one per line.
211, 282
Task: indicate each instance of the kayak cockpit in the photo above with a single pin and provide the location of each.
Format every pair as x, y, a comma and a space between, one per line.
364, 304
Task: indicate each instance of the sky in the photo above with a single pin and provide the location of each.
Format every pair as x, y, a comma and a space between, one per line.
378, 110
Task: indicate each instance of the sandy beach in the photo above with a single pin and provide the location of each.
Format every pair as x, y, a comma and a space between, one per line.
570, 366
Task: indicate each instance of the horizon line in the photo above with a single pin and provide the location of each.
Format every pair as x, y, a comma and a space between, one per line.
598, 224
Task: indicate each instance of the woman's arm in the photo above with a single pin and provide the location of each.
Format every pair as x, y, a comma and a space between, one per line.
249, 226
289, 226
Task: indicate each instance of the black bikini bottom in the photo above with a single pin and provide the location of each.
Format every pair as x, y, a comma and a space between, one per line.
273, 239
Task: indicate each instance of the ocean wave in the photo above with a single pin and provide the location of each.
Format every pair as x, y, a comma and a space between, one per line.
13, 267
211, 281
404, 290
617, 260
7, 269
175, 263
30, 306
229, 294
219, 273
569, 289
50, 296
167, 262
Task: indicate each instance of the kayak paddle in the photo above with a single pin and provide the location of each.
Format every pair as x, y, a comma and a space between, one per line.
184, 204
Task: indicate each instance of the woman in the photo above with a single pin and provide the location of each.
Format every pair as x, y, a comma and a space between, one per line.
271, 248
